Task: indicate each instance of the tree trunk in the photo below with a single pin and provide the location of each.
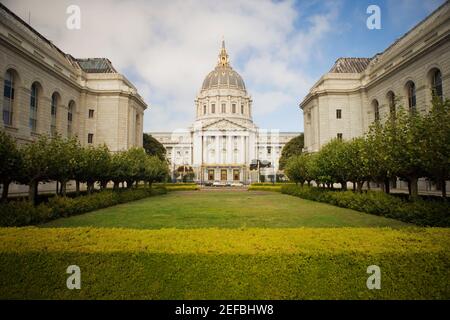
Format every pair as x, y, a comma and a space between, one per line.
90, 187
309, 183
5, 191
77, 187
414, 194
444, 189
359, 186
368, 185
116, 186
387, 186
409, 187
344, 186
57, 188
63, 188
354, 186
32, 191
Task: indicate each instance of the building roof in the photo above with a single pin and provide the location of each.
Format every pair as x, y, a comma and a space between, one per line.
223, 76
350, 65
96, 65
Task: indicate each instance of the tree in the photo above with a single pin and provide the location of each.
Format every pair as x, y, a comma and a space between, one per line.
155, 170
407, 134
10, 163
333, 164
36, 158
437, 142
357, 162
293, 148
153, 147
96, 166
377, 155
297, 168
63, 162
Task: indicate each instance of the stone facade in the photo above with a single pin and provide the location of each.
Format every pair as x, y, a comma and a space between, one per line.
47, 91
223, 141
414, 58
363, 90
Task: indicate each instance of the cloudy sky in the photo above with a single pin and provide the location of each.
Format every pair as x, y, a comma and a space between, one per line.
166, 48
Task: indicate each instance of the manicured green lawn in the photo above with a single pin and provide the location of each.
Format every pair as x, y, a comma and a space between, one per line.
225, 245
224, 210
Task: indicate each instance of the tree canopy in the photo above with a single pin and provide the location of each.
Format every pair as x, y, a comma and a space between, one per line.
293, 148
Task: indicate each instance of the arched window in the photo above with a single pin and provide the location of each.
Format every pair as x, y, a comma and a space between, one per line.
54, 109
34, 103
70, 113
411, 94
391, 102
8, 98
376, 110
213, 108
436, 83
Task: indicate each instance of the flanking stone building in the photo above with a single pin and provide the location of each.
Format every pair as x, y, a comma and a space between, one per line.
46, 91
344, 102
223, 141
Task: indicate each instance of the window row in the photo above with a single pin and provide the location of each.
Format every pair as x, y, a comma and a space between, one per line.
410, 88
9, 105
223, 109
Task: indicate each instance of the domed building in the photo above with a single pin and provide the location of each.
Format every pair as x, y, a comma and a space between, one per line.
223, 142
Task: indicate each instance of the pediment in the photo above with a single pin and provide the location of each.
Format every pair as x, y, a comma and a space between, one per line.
225, 124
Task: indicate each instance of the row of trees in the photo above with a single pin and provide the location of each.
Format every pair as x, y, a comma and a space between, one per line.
63, 160
407, 145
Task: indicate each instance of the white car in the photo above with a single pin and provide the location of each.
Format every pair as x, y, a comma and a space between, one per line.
237, 184
219, 184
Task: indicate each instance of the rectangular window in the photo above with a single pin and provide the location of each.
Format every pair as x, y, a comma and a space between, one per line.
338, 114
269, 150
242, 109
233, 108
204, 109
210, 175
91, 113
224, 109
339, 136
213, 108
236, 175
90, 138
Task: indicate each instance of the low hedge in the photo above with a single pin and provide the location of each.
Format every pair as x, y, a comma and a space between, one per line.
23, 213
234, 264
182, 187
258, 187
419, 212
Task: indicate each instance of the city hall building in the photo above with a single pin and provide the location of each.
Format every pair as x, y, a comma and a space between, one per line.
344, 102
223, 141
49, 92
46, 91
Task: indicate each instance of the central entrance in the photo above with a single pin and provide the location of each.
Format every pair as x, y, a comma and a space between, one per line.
223, 175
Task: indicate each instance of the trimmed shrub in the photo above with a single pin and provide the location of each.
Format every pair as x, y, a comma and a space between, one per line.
23, 213
274, 188
419, 212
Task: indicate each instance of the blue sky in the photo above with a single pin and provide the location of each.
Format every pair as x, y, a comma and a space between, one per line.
280, 48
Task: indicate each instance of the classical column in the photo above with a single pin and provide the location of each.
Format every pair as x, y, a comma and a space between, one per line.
218, 151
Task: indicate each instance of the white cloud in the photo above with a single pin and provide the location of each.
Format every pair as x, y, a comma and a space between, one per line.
167, 47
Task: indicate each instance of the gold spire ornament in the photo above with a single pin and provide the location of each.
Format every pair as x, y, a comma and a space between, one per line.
223, 56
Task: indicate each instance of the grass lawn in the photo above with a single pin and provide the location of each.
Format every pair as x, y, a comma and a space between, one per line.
225, 245
189, 210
